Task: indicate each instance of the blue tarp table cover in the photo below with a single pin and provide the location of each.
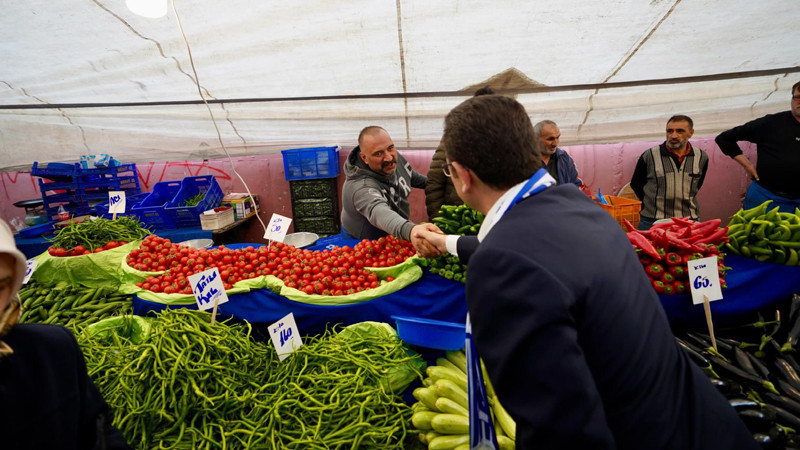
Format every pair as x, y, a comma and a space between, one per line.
752, 286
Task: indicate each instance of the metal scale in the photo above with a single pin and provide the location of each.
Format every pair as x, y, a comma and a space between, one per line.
34, 211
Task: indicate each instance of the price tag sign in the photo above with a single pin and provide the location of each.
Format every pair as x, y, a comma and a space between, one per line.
704, 279
285, 336
277, 228
31, 267
116, 202
207, 287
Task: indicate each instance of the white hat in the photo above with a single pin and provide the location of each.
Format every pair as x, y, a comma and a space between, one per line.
7, 245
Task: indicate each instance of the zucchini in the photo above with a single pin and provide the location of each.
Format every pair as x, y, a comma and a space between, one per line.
446, 388
448, 406
422, 419
427, 396
448, 442
450, 424
444, 373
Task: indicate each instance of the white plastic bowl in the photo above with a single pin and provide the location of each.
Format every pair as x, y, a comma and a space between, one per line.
301, 239
198, 243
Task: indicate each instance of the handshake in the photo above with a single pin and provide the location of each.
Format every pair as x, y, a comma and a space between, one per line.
428, 240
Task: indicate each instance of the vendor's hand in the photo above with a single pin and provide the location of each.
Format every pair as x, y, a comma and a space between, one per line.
432, 236
752, 172
423, 247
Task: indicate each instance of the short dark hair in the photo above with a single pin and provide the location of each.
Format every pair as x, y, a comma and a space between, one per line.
486, 90
492, 135
680, 117
794, 88
372, 129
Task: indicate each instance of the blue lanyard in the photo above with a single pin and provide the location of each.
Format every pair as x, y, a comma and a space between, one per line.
538, 182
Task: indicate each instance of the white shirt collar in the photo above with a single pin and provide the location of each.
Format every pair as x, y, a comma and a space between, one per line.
498, 209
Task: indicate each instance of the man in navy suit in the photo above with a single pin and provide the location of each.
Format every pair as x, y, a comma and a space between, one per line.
573, 335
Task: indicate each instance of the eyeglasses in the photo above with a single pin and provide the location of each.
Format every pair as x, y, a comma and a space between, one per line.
446, 169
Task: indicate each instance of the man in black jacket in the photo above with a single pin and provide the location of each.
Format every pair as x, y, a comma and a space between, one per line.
777, 139
574, 338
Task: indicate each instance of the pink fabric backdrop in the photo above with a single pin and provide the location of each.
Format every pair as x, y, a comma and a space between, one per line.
605, 166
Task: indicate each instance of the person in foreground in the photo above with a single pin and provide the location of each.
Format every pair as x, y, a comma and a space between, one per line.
573, 335
47, 400
777, 139
376, 189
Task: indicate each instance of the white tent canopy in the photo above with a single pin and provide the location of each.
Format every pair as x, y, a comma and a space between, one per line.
89, 76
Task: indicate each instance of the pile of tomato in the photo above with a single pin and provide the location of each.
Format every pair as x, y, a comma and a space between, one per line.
79, 250
339, 271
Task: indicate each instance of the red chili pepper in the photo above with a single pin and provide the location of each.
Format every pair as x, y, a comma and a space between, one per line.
643, 243
676, 242
661, 226
659, 238
658, 286
629, 225
715, 238
673, 258
684, 222
703, 228
723, 284
667, 278
654, 271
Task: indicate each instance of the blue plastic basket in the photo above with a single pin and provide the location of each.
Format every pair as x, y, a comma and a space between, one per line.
130, 202
152, 209
309, 163
431, 333
189, 216
36, 230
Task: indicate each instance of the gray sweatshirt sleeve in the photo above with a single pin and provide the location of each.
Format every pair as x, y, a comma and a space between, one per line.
369, 202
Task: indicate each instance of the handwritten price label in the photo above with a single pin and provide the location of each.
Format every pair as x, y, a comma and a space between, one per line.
277, 228
285, 336
704, 279
207, 286
31, 267
116, 202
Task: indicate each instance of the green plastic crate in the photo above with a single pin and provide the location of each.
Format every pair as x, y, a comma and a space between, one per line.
323, 226
312, 207
320, 188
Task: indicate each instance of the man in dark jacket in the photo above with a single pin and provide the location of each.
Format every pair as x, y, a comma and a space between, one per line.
777, 139
376, 189
574, 338
558, 163
439, 189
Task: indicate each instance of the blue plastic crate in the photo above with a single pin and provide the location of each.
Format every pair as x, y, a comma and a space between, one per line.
36, 230
54, 170
189, 216
310, 163
130, 202
151, 210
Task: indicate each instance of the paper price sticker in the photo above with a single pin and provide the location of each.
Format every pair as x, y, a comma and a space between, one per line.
207, 287
116, 202
285, 336
704, 279
277, 228
31, 267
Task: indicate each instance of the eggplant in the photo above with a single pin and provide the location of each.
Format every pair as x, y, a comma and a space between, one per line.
722, 346
766, 441
740, 404
787, 403
741, 374
744, 362
697, 358
794, 334
788, 372
757, 421
760, 366
728, 388
783, 416
789, 390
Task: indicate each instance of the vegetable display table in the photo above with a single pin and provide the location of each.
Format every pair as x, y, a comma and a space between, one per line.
431, 296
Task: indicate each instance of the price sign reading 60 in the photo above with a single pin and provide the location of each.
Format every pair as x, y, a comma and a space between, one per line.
704, 277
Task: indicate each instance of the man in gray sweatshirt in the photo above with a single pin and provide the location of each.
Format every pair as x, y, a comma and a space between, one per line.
376, 189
